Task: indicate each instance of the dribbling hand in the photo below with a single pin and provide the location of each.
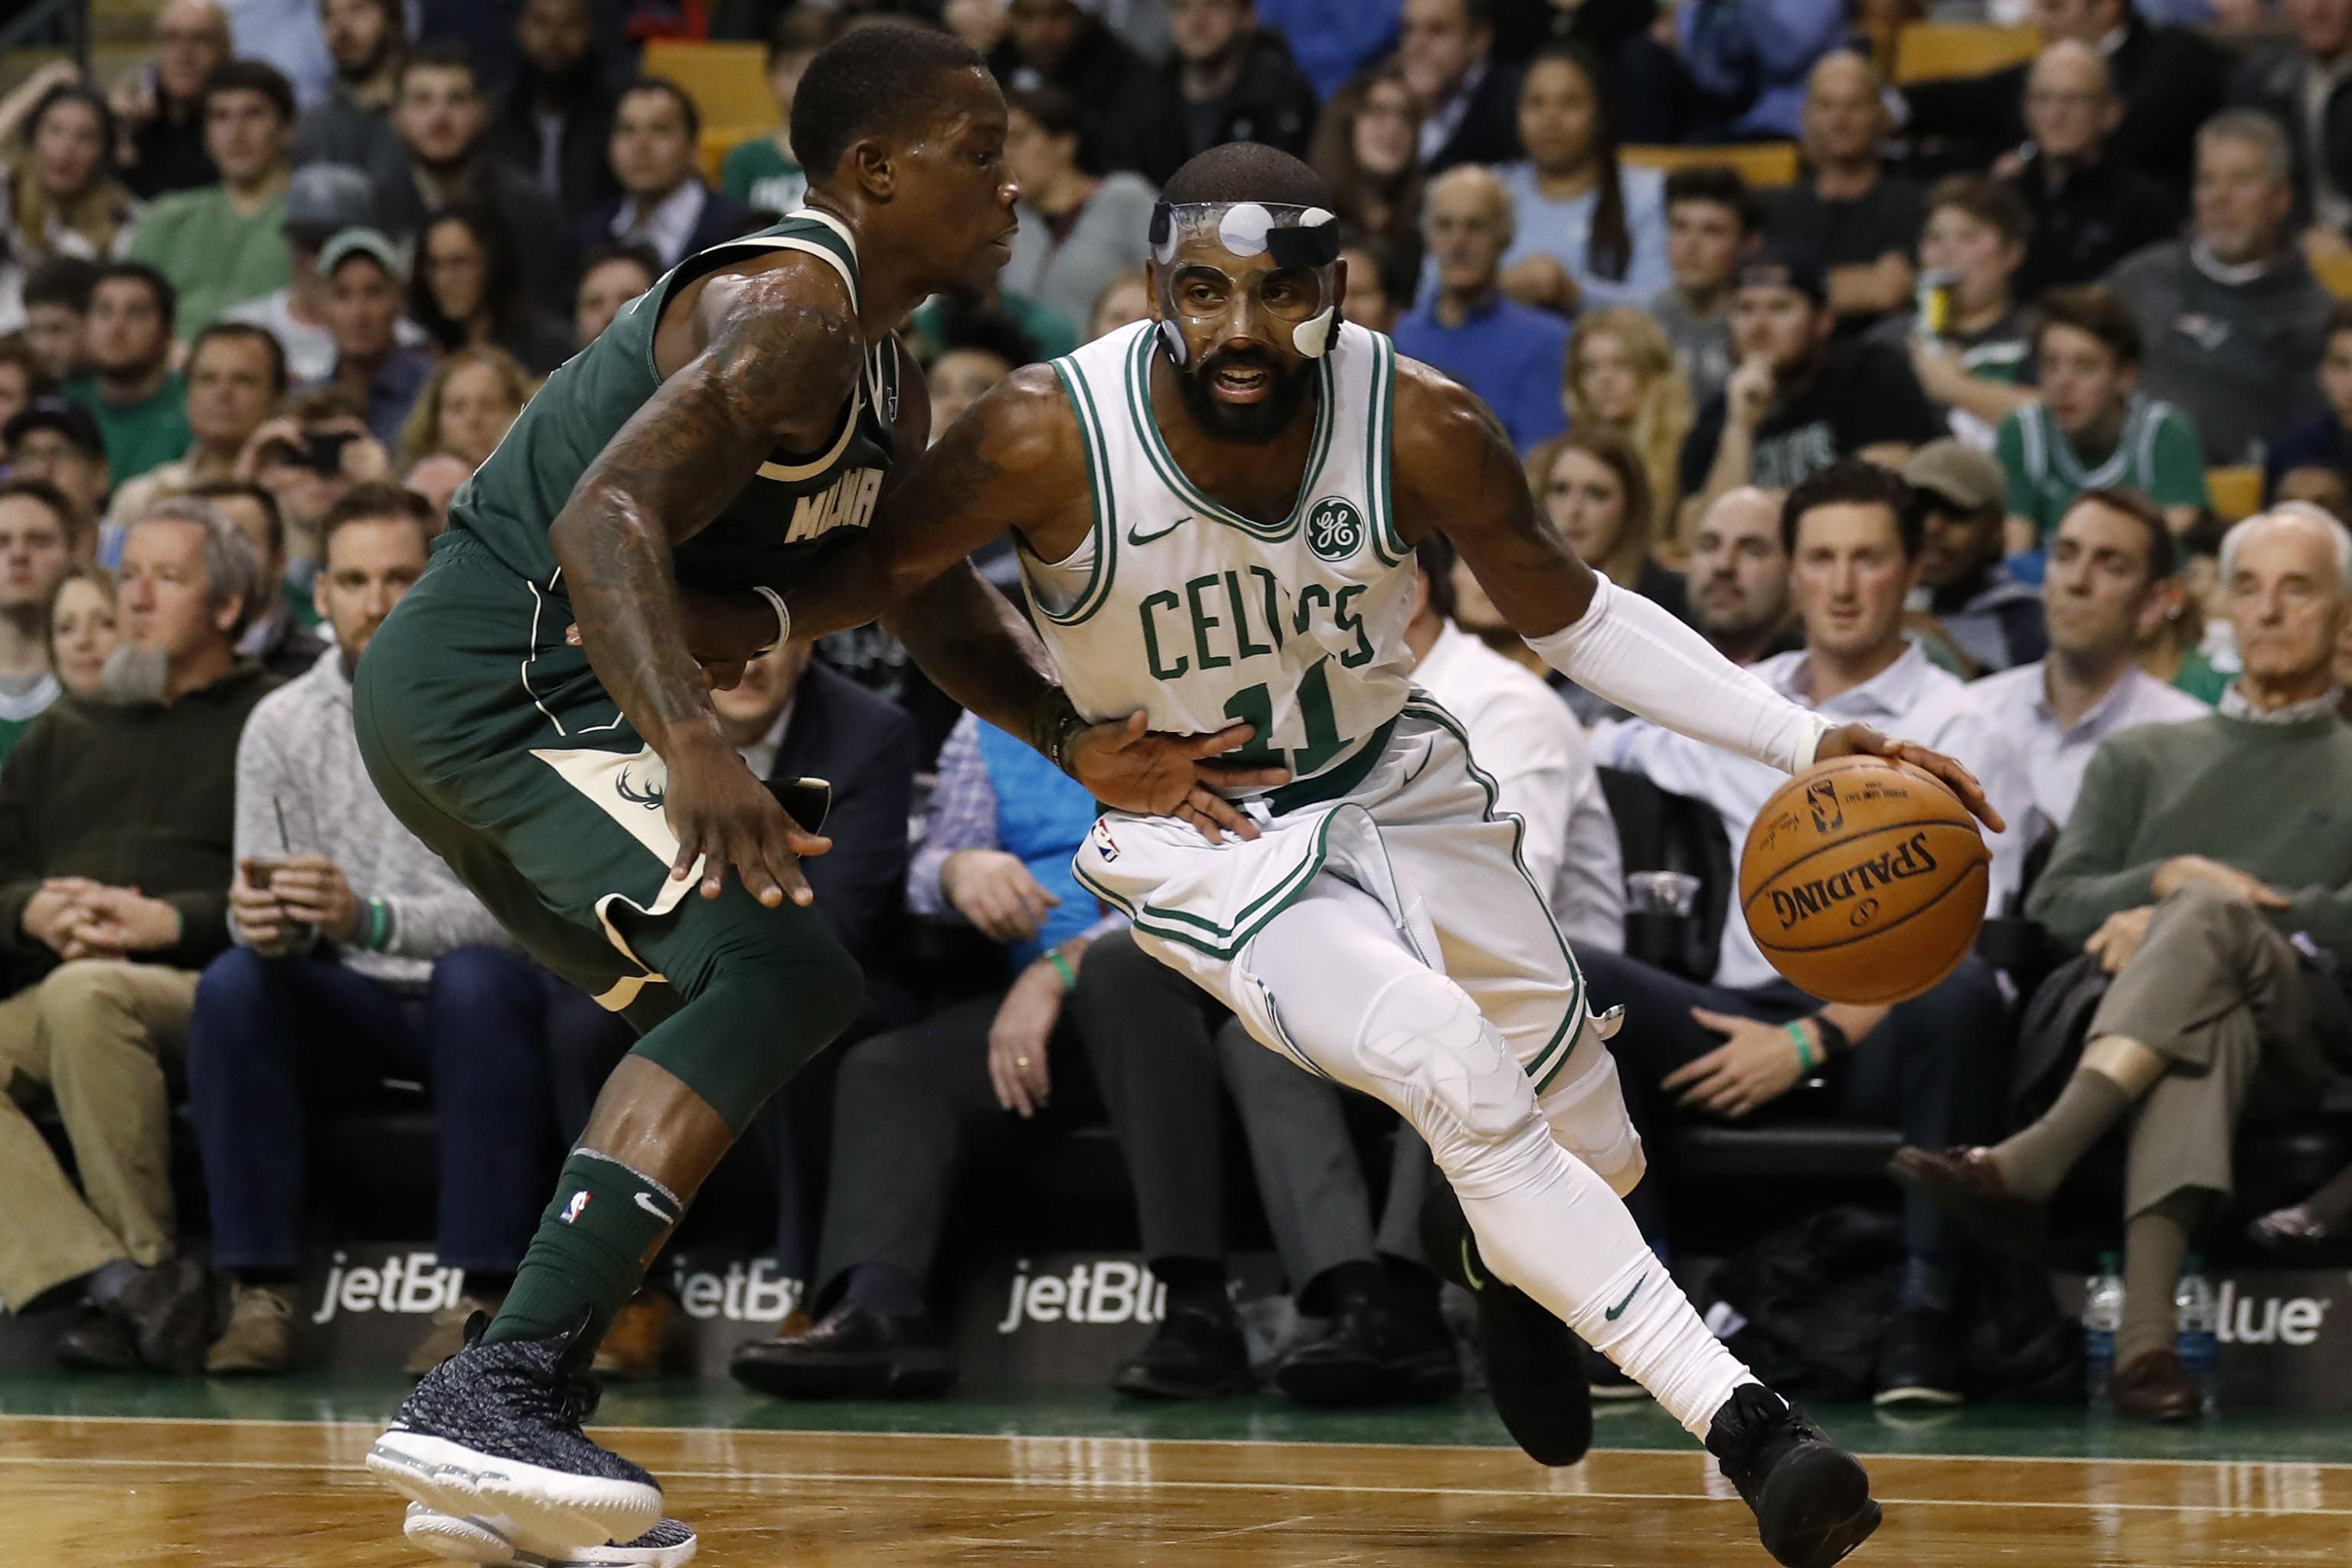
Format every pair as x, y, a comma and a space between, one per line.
1862, 740
1154, 775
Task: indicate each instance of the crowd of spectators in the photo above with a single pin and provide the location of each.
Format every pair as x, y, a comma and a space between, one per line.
1926, 436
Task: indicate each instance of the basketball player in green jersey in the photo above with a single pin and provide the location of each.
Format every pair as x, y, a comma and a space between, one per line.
1216, 510
728, 430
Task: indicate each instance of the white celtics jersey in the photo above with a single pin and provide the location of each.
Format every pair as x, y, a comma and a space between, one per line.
1202, 618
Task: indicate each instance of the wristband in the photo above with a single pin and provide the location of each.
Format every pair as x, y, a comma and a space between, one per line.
1057, 749
1805, 1059
1061, 967
784, 617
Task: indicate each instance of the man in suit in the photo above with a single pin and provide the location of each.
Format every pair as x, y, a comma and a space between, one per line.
2301, 83
1447, 50
790, 720
664, 203
2171, 79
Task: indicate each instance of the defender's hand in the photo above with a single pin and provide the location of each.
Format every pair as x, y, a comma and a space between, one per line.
1862, 740
723, 817
1155, 775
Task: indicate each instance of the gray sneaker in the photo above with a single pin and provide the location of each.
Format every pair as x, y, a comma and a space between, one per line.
493, 1434
259, 1338
668, 1544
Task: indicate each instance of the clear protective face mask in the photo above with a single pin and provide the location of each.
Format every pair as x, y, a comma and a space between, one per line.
1298, 289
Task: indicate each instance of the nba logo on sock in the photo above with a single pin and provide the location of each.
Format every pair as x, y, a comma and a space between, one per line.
578, 1201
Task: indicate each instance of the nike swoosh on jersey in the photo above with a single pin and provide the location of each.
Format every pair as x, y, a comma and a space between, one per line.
1135, 538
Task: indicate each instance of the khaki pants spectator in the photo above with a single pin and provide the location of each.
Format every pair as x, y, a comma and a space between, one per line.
94, 1035
2252, 1029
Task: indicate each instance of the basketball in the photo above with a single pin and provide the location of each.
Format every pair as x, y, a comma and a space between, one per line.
1863, 880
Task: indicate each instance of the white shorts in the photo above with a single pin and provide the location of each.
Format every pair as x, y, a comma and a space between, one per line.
1413, 824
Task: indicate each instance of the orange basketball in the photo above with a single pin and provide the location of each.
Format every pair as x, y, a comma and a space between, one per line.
1863, 880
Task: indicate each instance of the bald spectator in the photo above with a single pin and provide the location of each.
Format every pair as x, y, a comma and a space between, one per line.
159, 111
554, 122
2203, 868
2088, 208
352, 124
226, 244
2301, 83
1469, 98
2170, 80
1740, 577
2231, 320
1858, 221
1510, 354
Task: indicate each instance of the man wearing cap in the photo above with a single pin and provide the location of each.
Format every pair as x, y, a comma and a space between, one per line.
1967, 601
222, 244
1798, 401
321, 201
367, 283
57, 441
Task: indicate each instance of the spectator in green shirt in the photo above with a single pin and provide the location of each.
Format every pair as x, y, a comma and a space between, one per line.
222, 245
36, 541
761, 173
2091, 429
139, 402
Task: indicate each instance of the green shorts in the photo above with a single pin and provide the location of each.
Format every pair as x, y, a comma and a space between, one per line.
496, 745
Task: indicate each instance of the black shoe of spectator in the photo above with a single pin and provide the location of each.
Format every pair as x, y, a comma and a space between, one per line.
1195, 1355
1811, 1497
852, 1353
97, 1342
1606, 1380
166, 1314
1534, 1365
1920, 1360
1374, 1355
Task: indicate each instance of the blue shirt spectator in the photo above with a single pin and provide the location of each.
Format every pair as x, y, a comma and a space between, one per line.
1589, 231
995, 792
1512, 355
1563, 232
1758, 52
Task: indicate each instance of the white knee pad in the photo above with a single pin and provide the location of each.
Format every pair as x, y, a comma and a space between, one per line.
1586, 1109
1425, 1047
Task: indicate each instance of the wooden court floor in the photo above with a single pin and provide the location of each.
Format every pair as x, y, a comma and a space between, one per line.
102, 1493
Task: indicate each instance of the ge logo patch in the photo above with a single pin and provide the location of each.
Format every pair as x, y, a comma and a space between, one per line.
1335, 529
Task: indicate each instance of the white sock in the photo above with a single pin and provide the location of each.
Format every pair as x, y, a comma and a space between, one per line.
1352, 999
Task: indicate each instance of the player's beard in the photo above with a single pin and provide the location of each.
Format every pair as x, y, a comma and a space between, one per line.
1246, 424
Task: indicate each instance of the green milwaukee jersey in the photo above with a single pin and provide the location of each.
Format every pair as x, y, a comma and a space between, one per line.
771, 532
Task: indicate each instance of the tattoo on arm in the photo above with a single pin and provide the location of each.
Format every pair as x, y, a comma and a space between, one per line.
972, 641
771, 362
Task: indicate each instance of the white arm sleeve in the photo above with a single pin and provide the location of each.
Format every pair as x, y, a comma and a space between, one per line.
1638, 656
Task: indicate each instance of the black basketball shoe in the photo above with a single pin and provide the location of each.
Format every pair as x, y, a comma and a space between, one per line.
1535, 1364
668, 1544
1812, 1498
493, 1434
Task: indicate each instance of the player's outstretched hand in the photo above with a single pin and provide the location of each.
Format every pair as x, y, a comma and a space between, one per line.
1155, 775
723, 817
1862, 740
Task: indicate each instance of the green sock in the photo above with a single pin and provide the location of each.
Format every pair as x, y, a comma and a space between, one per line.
2038, 1157
589, 1253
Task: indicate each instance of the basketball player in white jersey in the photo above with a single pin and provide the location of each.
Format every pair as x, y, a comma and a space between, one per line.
1216, 512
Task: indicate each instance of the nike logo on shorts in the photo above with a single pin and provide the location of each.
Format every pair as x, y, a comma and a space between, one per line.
1613, 1313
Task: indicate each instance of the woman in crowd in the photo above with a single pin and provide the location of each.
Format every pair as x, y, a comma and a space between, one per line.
609, 280
1125, 298
467, 292
82, 628
1588, 232
465, 409
1079, 230
1367, 150
1622, 380
58, 192
1591, 485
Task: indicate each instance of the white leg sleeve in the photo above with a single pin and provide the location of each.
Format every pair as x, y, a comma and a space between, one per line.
1352, 1000
1585, 1108
1635, 654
